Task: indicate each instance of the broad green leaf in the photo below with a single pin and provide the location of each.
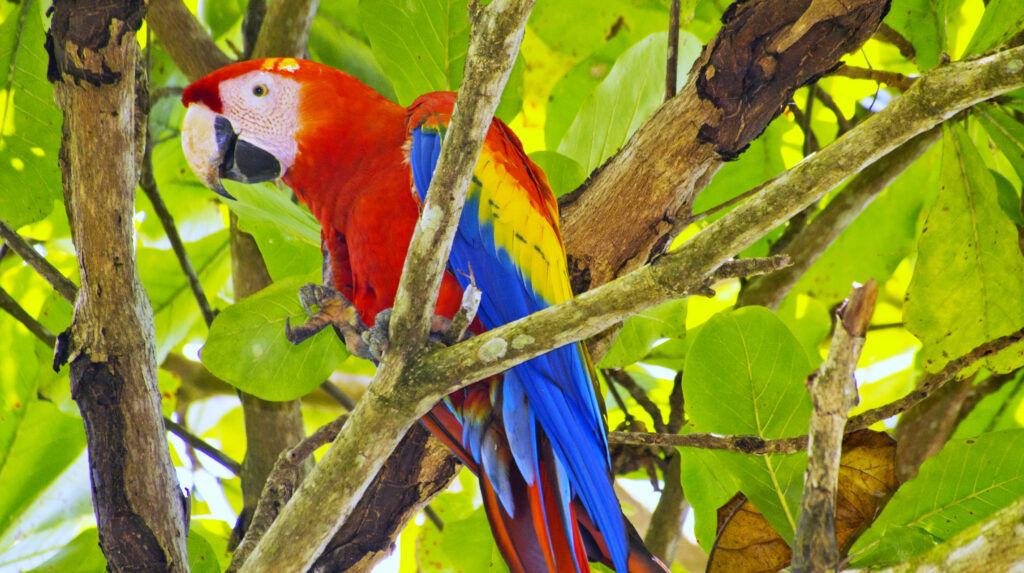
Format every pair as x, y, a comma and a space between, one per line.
1001, 20
580, 28
966, 482
421, 46
995, 412
1009, 200
744, 374
564, 174
287, 234
927, 25
18, 373
201, 558
877, 240
51, 520
808, 319
573, 88
641, 331
466, 544
247, 347
29, 119
1006, 132
82, 555
45, 443
332, 43
616, 108
969, 278
708, 487
194, 208
221, 15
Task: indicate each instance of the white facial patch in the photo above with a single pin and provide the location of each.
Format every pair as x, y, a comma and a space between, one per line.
263, 108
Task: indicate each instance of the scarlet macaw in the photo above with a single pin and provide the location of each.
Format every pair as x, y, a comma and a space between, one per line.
362, 164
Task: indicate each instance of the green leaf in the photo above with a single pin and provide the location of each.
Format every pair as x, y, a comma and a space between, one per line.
421, 46
969, 277
564, 174
247, 347
82, 555
965, 483
927, 25
29, 119
580, 28
466, 545
708, 487
45, 443
621, 103
333, 43
1001, 21
221, 15
195, 209
808, 319
1009, 200
995, 412
877, 240
264, 206
201, 558
1006, 132
744, 374
641, 331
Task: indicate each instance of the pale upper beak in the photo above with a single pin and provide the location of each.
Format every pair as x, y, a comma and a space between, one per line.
214, 151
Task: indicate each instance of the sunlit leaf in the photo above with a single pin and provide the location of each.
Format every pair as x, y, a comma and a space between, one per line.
82, 555
966, 482
332, 44
564, 174
29, 119
247, 347
201, 558
995, 412
745, 374
969, 276
620, 105
641, 331
925, 23
1001, 20
1006, 132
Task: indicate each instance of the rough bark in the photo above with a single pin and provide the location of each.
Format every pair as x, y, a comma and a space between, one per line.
765, 51
140, 510
833, 394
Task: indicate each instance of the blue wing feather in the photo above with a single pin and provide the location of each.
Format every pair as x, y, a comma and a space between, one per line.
556, 386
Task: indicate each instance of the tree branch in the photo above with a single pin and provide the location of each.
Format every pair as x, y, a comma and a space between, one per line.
814, 240
185, 39
285, 29
14, 309
760, 446
67, 289
149, 187
203, 446
896, 80
672, 61
833, 393
324, 501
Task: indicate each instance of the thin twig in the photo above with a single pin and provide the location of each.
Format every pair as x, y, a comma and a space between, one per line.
67, 289
726, 204
165, 91
889, 35
622, 378
672, 61
12, 307
826, 100
148, 184
202, 445
761, 446
339, 395
896, 80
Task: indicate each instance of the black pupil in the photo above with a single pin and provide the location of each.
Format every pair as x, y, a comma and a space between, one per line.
259, 90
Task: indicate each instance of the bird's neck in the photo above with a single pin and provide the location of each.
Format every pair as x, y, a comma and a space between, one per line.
351, 140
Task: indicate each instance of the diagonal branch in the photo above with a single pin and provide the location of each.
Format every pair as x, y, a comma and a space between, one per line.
14, 309
323, 501
65, 287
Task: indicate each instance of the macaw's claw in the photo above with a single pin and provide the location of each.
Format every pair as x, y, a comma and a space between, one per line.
333, 309
376, 337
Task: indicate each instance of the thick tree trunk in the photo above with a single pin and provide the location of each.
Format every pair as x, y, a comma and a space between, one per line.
140, 511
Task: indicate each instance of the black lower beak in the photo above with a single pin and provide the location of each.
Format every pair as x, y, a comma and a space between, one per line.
240, 160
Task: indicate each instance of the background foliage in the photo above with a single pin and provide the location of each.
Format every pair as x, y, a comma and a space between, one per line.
943, 241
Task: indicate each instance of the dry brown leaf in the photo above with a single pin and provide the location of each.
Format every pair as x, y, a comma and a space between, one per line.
747, 543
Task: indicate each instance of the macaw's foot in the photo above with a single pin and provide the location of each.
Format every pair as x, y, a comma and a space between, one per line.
444, 331
332, 309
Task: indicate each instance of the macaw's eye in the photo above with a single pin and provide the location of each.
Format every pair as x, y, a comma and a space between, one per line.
259, 91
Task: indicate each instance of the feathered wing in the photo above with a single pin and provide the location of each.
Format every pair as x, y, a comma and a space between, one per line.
508, 243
